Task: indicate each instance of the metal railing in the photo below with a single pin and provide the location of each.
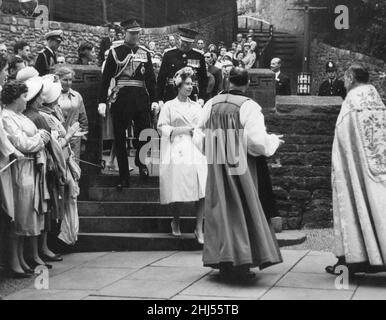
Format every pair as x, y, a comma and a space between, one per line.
262, 25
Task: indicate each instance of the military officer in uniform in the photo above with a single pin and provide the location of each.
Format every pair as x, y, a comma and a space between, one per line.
47, 58
332, 86
133, 96
178, 58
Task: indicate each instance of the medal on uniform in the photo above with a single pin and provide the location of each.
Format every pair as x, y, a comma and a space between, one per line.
143, 70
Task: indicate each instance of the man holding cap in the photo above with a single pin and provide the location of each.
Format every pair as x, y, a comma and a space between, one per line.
47, 58
332, 86
178, 58
130, 65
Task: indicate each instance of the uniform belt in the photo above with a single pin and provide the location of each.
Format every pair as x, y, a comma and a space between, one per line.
131, 83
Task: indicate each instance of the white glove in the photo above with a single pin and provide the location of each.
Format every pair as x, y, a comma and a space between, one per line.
155, 107
102, 109
201, 102
160, 104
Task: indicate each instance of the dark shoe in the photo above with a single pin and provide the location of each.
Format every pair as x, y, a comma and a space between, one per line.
18, 275
29, 271
35, 265
56, 258
144, 172
123, 184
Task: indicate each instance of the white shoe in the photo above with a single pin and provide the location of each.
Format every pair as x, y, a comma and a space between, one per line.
176, 231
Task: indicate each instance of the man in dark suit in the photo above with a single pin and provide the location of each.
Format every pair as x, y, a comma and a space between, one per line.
47, 58
106, 44
332, 86
216, 72
283, 85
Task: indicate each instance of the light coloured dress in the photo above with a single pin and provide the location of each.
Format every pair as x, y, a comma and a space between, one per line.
183, 168
73, 109
359, 178
24, 135
6, 188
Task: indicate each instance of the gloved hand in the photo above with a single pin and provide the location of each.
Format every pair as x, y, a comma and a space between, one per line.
102, 109
155, 108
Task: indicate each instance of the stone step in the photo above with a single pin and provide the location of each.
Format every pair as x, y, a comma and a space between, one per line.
133, 224
113, 180
127, 194
128, 209
99, 242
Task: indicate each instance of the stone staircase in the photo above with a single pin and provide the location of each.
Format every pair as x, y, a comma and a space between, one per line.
283, 45
134, 220
129, 220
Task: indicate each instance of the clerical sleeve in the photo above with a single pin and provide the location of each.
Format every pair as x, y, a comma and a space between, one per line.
205, 115
260, 143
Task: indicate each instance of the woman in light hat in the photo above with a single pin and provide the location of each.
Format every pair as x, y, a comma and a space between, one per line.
73, 109
25, 137
27, 73
50, 173
7, 152
52, 113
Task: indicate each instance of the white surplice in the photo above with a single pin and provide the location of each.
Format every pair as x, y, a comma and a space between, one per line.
183, 168
359, 178
260, 143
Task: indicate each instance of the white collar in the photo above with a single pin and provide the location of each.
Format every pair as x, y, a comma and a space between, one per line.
49, 49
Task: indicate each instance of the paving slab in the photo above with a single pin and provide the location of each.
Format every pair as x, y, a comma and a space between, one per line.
290, 259
306, 294
312, 281
314, 264
127, 259
88, 278
33, 294
200, 298
182, 259
374, 292
170, 274
144, 289
100, 298
213, 286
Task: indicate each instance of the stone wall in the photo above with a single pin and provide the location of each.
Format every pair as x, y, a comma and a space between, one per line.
213, 29
276, 12
321, 53
301, 170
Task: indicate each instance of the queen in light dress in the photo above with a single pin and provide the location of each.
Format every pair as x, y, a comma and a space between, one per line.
183, 168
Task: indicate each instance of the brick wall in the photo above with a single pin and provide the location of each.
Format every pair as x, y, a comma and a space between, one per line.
12, 29
301, 170
321, 53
